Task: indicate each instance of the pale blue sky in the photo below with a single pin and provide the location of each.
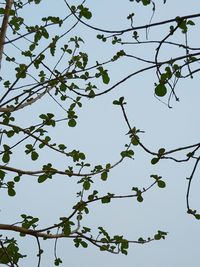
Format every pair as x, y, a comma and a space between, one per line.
101, 134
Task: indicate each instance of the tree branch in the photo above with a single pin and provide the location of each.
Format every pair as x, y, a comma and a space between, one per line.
132, 28
4, 26
189, 185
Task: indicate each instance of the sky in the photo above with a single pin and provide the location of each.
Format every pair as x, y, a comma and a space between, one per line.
101, 134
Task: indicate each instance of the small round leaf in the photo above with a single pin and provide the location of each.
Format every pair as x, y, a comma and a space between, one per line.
160, 90
72, 123
154, 160
161, 184
11, 192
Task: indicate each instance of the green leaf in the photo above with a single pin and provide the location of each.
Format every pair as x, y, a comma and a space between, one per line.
21, 71
116, 102
160, 90
104, 74
10, 133
197, 216
37, 1
82, 156
86, 185
104, 176
62, 147
84, 12
84, 244
154, 160
161, 151
139, 198
105, 78
42, 178
157, 237
63, 87
190, 22
160, 235
11, 192
2, 174
105, 200
146, 2
72, 123
67, 229
104, 247
123, 251
121, 100
10, 252
134, 141
6, 157
17, 178
34, 155
108, 166
161, 184
155, 176
57, 261
127, 153
11, 12
124, 244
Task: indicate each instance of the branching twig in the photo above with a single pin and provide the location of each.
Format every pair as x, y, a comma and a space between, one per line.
133, 28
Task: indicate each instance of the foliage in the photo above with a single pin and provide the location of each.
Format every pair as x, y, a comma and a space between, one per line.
48, 61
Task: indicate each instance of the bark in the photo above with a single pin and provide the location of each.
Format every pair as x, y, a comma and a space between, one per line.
4, 26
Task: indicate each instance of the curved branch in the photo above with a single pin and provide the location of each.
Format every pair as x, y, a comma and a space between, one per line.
40, 232
157, 42
135, 73
132, 28
28, 103
39, 251
54, 171
189, 184
57, 236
